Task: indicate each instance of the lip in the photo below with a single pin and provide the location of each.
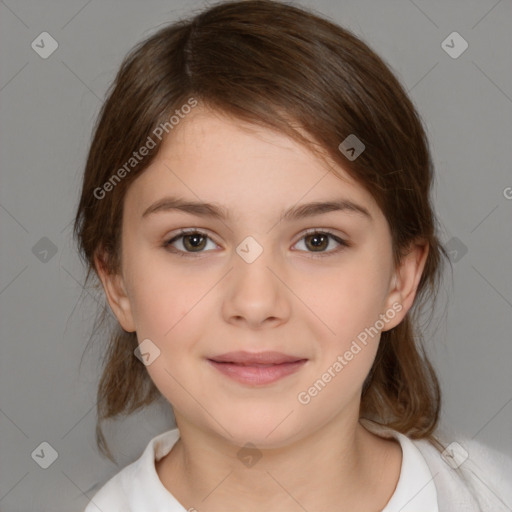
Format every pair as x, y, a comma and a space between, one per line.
257, 368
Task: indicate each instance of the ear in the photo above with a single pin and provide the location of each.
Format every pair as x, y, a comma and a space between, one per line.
118, 299
405, 281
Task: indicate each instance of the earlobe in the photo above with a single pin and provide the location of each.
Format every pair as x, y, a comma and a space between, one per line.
117, 297
405, 281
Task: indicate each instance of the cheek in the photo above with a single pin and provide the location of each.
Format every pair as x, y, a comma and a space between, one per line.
349, 308
351, 298
166, 297
348, 302
170, 312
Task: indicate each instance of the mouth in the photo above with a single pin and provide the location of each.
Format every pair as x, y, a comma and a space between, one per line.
257, 369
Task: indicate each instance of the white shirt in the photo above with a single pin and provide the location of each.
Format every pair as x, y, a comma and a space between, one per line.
138, 488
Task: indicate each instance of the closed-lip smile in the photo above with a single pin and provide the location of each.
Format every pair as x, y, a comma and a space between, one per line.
257, 368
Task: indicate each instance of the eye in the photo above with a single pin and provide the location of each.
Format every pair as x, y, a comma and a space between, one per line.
319, 240
192, 241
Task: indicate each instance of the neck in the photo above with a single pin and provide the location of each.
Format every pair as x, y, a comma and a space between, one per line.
329, 469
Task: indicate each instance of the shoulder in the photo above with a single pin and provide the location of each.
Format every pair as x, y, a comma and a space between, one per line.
469, 476
137, 486
471, 473
112, 495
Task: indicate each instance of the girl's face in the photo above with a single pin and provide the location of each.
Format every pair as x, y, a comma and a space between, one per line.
254, 279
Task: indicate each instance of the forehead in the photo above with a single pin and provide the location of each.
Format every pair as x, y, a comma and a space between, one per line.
211, 157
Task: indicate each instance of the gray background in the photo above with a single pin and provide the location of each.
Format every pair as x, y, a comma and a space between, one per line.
48, 107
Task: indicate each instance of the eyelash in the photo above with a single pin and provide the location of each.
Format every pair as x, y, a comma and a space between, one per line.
321, 254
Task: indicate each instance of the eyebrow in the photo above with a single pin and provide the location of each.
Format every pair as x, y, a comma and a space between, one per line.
216, 211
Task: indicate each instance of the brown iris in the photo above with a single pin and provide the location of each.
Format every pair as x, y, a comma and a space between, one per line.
318, 239
196, 242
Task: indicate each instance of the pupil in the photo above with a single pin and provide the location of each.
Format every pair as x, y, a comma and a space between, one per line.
319, 240
196, 243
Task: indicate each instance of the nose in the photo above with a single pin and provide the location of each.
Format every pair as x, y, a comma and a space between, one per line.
255, 293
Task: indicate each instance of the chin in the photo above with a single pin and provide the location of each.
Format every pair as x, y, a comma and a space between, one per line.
264, 429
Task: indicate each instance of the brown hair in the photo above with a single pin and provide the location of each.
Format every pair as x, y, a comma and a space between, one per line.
287, 69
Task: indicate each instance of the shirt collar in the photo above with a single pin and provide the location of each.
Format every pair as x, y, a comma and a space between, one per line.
415, 490
143, 486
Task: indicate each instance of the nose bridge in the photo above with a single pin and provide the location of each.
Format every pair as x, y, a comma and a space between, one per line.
255, 293
251, 266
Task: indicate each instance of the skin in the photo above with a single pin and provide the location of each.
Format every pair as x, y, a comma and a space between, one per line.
315, 456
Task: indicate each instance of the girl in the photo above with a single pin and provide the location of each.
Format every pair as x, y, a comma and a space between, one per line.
256, 205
